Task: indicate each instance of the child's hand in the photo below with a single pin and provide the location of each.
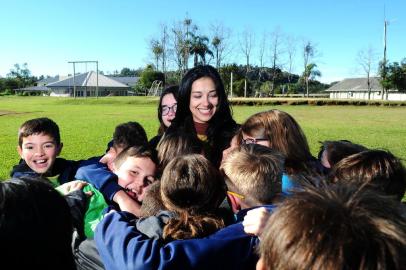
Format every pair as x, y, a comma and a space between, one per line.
73, 186
255, 221
126, 203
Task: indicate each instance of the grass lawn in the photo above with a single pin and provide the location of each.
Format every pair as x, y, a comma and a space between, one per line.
87, 124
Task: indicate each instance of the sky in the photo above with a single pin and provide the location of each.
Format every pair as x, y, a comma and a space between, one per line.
47, 34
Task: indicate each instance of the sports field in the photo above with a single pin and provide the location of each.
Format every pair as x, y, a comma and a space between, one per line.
87, 124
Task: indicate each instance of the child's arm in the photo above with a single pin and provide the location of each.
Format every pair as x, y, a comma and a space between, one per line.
126, 203
229, 248
100, 176
78, 203
255, 221
104, 180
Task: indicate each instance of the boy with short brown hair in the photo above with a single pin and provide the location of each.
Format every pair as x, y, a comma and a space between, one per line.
253, 176
338, 227
39, 144
377, 169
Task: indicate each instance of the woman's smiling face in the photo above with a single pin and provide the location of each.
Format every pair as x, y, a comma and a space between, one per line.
203, 100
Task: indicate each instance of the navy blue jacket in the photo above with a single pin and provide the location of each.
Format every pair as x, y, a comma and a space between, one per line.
63, 169
121, 246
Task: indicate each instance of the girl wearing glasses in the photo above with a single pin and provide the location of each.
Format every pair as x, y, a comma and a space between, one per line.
166, 112
280, 131
203, 110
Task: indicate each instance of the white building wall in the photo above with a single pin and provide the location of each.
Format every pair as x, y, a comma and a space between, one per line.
364, 95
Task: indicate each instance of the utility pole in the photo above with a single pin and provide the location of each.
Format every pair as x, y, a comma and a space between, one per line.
74, 75
231, 85
384, 91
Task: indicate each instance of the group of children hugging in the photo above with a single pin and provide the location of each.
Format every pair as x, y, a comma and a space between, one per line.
205, 193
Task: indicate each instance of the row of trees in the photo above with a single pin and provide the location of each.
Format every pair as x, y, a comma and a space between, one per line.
19, 77
184, 44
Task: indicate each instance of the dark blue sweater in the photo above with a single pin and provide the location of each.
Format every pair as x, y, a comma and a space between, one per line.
229, 248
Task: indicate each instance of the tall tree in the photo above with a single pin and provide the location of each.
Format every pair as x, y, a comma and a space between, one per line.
165, 50
275, 53
397, 74
219, 42
310, 73
261, 55
200, 48
309, 52
22, 74
190, 29
157, 50
395, 77
290, 53
366, 59
246, 44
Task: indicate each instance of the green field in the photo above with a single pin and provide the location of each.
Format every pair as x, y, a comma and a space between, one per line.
87, 124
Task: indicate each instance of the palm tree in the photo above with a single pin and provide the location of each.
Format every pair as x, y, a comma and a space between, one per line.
157, 50
216, 44
309, 74
199, 48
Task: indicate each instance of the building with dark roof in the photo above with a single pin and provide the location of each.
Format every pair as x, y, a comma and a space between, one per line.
129, 81
86, 85
357, 88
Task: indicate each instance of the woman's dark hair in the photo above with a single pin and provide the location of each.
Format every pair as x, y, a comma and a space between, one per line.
177, 144
169, 90
35, 226
221, 126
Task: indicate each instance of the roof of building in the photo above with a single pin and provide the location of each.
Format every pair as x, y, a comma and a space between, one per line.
88, 79
130, 81
356, 85
34, 89
48, 80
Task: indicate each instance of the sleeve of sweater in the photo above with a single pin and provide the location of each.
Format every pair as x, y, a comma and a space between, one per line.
100, 176
229, 248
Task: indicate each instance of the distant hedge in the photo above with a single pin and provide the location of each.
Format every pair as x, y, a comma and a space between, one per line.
313, 102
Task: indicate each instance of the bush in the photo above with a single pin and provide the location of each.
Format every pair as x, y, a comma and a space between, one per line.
7, 92
312, 102
148, 76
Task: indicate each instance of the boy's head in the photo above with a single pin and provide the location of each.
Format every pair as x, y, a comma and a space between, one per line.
34, 213
377, 169
39, 143
125, 135
253, 175
331, 152
135, 168
338, 227
129, 134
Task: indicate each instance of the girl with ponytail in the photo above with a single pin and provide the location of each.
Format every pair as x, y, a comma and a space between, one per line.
191, 191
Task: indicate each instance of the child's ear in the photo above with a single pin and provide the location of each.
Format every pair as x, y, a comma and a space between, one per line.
260, 264
112, 167
59, 150
234, 203
20, 151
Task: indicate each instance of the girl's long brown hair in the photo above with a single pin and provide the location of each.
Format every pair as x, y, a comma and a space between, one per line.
284, 135
192, 188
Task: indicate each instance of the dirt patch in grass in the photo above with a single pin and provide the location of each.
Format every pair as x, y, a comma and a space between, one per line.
3, 113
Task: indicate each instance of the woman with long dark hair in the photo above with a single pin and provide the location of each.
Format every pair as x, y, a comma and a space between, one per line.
204, 111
